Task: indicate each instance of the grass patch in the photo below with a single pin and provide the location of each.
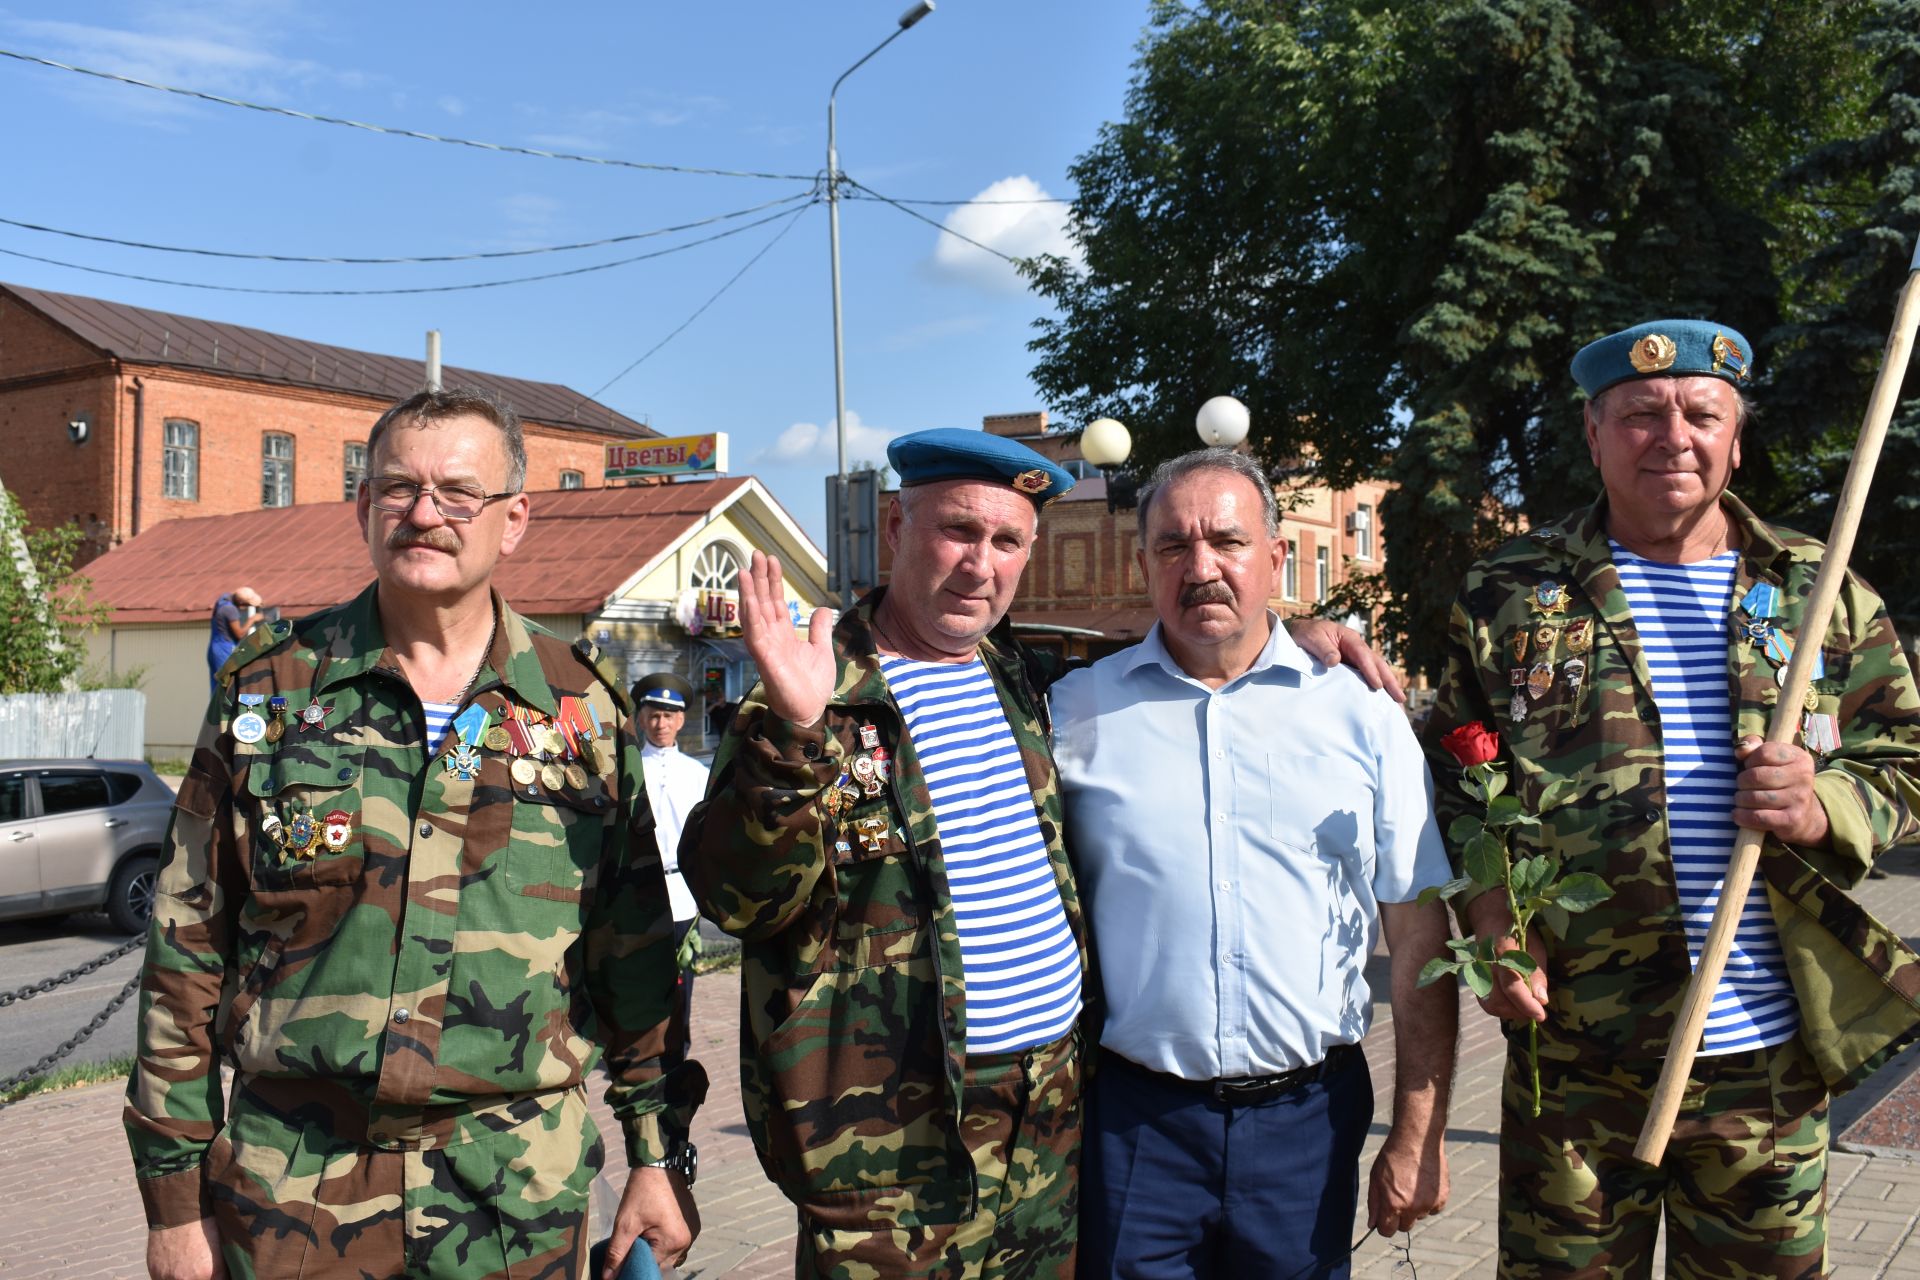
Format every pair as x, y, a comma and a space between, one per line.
75, 1076
716, 961
175, 765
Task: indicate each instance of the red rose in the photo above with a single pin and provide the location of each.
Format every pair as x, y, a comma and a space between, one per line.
1472, 744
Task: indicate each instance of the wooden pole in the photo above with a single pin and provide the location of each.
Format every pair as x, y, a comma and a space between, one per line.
1786, 721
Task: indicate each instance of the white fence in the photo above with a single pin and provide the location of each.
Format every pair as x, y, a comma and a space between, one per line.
109, 724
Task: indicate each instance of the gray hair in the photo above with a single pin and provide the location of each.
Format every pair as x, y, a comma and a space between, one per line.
1215, 459
423, 407
1742, 412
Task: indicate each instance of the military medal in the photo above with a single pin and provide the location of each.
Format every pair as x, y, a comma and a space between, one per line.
871, 832
272, 828
1540, 679
551, 777
337, 829
1579, 635
1517, 709
1762, 601
314, 715
1821, 733
1517, 677
838, 798
1550, 597
496, 739
1575, 672
1543, 640
868, 774
249, 726
463, 763
1758, 631
869, 737
524, 770
882, 763
576, 777
1780, 671
302, 832
1520, 638
551, 742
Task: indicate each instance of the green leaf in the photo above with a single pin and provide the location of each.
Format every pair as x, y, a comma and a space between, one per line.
1529, 874
1485, 860
1496, 783
1580, 891
1463, 828
1555, 919
1519, 960
1502, 811
1436, 969
1479, 978
1464, 947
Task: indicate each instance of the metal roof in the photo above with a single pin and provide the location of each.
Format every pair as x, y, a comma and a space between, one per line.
580, 546
146, 336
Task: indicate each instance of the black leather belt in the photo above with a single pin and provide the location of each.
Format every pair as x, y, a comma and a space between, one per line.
1245, 1091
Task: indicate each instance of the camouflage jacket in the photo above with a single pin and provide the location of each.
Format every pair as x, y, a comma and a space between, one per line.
854, 1014
442, 962
1590, 764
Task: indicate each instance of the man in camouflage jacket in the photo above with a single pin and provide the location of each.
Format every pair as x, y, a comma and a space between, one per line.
1544, 648
410, 950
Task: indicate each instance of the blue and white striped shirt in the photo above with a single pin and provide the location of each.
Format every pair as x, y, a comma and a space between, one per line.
439, 719
1680, 611
1022, 967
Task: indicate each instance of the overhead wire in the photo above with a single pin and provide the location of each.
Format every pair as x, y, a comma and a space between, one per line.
396, 132
793, 220
439, 288
420, 258
950, 203
938, 226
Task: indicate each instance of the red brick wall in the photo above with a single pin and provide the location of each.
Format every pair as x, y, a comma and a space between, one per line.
30, 344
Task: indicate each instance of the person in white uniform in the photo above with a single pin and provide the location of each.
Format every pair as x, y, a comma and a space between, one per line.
675, 783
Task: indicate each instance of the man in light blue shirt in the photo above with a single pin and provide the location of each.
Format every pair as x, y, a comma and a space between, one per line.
1244, 820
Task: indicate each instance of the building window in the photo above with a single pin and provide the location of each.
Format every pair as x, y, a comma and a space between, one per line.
716, 568
572, 480
1363, 531
1322, 573
180, 461
276, 470
354, 469
1290, 571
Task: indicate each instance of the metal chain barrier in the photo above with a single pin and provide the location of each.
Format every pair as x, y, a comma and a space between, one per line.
33, 989
74, 1041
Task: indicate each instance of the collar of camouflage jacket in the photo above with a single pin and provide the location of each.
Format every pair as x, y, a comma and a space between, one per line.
861, 679
355, 644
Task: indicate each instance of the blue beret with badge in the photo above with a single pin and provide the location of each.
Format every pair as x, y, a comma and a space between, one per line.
952, 453
663, 689
1665, 349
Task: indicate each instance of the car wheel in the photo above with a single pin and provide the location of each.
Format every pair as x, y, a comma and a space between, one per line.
130, 895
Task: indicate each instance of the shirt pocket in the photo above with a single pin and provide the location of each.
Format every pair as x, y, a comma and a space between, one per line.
1323, 806
559, 835
877, 885
304, 819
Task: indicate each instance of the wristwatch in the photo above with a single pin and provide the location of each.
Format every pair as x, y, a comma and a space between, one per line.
682, 1158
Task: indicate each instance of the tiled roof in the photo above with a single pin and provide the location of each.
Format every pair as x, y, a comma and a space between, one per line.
184, 342
581, 545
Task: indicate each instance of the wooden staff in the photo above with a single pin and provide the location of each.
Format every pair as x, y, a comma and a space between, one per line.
1786, 720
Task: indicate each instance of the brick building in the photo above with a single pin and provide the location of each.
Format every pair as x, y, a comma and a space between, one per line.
1083, 592
117, 417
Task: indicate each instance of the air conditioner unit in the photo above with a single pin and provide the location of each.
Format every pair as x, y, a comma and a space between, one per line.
1359, 522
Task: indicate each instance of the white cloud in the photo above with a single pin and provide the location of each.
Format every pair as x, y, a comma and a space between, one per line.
809, 443
1019, 230
930, 332
452, 105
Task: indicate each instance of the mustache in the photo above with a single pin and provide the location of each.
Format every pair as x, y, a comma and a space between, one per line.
440, 539
1206, 593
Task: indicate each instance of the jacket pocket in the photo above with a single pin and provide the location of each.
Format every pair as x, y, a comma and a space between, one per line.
304, 820
877, 885
559, 834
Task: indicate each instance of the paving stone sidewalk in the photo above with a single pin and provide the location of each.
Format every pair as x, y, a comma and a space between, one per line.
71, 1212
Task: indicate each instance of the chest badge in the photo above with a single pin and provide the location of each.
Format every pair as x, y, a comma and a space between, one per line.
1540, 679
315, 715
1579, 635
871, 832
337, 829
1550, 597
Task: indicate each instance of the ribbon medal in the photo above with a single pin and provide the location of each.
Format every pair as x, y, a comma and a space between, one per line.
1821, 733
276, 717
250, 725
1761, 602
469, 727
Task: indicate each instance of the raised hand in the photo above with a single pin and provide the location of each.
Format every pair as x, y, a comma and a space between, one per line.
796, 674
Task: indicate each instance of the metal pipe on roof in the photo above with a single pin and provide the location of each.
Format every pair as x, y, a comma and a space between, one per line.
139, 419
433, 359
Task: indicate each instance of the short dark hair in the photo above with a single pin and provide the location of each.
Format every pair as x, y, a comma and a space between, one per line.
453, 402
1214, 459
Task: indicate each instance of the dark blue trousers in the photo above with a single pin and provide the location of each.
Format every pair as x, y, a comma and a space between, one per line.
1176, 1184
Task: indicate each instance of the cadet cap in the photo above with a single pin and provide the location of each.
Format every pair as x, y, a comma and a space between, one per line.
952, 453
1664, 349
663, 689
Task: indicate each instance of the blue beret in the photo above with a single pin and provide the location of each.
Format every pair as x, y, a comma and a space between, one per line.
1664, 349
663, 689
951, 453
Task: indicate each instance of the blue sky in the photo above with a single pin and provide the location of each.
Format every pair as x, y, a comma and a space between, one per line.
984, 97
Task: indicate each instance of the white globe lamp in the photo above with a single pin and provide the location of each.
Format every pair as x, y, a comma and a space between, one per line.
1222, 422
1105, 443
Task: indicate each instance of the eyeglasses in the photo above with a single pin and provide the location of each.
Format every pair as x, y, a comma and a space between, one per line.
452, 501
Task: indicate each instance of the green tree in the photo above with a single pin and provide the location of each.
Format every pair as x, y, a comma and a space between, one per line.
1387, 229
1833, 358
45, 610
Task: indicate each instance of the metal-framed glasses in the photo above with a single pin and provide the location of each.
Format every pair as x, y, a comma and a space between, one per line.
452, 501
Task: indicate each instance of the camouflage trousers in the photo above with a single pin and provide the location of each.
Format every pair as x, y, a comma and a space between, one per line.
294, 1197
1743, 1185
1021, 1120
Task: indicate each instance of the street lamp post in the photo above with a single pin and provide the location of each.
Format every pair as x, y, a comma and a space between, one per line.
835, 537
1222, 422
1107, 445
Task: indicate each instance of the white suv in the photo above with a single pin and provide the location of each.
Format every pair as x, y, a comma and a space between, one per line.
81, 835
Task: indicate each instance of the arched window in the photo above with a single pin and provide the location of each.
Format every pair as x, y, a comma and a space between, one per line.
716, 568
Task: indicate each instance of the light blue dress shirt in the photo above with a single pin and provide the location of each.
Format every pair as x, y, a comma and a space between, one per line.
1233, 846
